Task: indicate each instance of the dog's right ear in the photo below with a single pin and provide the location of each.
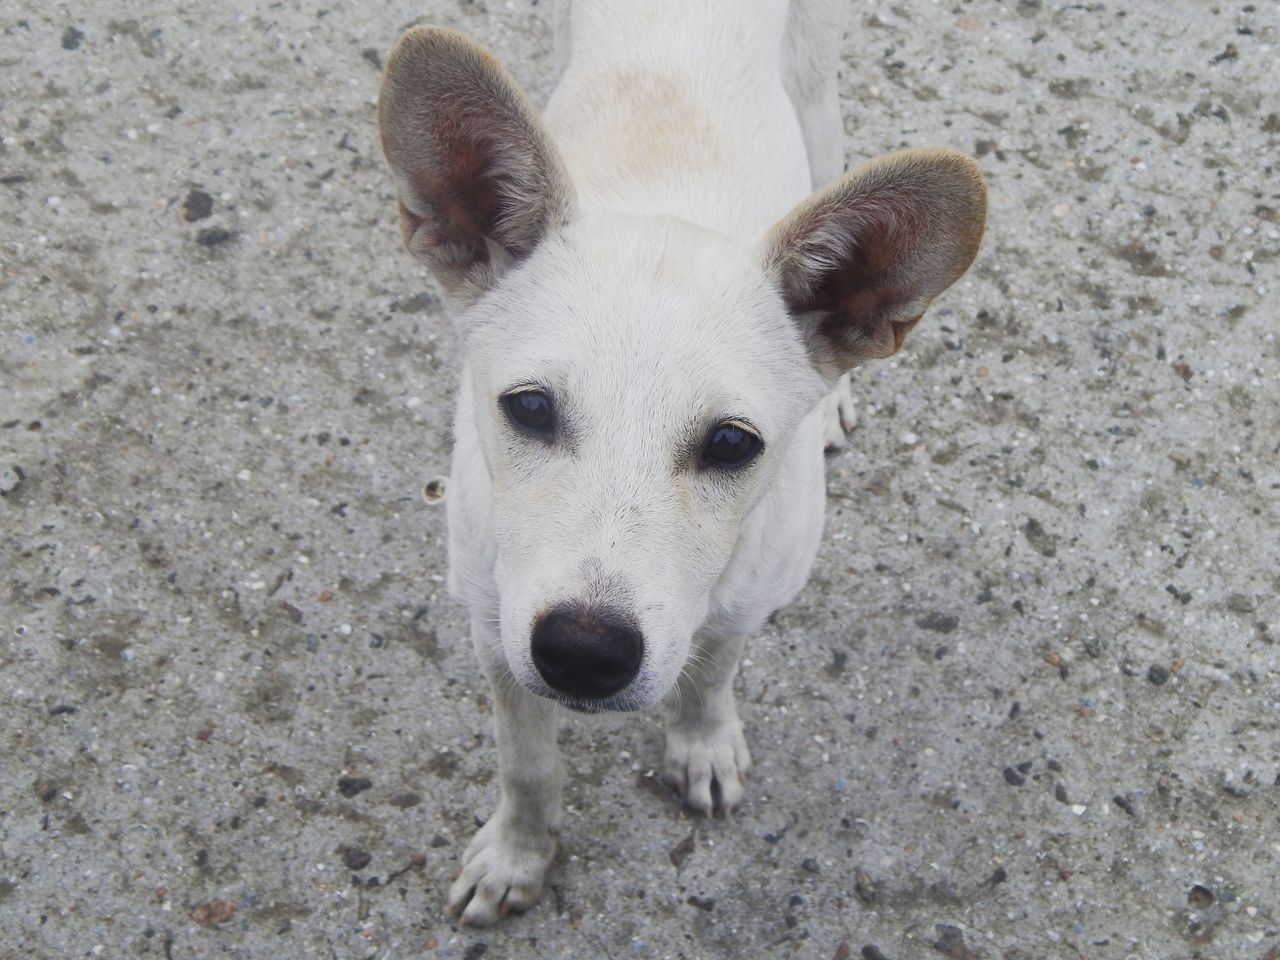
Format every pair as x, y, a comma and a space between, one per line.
480, 181
860, 260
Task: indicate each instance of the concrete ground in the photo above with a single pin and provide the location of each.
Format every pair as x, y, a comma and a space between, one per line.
1028, 707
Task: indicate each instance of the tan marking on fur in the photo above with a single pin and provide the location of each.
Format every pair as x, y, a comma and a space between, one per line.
661, 127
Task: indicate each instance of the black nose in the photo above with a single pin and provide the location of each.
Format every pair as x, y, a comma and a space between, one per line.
588, 652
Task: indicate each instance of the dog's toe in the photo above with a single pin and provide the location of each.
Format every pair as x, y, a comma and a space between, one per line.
839, 415
502, 873
708, 771
834, 440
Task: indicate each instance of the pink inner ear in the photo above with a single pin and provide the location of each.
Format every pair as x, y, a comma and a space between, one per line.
863, 331
862, 259
462, 200
475, 170
862, 295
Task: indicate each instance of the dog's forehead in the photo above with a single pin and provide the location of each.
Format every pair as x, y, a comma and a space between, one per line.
625, 304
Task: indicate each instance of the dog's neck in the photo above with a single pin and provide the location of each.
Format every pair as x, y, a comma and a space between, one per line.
677, 108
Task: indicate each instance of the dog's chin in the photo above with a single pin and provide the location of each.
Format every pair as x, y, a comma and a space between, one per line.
624, 702
581, 706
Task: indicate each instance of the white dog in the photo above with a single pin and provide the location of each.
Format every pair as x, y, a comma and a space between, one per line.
653, 308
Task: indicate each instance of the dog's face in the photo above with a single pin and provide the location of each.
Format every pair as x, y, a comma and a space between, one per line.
635, 380
634, 383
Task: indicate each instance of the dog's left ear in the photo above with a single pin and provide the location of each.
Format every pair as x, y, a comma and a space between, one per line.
480, 181
860, 261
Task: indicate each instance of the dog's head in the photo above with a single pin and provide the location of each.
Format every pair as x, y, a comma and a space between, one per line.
635, 381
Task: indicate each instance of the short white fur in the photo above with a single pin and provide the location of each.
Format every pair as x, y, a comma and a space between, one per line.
648, 253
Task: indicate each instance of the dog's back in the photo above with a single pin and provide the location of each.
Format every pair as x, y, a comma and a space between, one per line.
679, 108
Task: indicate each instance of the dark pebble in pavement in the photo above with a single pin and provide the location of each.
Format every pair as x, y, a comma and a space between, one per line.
197, 206
354, 857
950, 943
212, 236
938, 622
350, 786
1200, 897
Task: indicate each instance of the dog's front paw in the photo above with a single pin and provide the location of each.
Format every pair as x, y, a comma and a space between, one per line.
502, 873
839, 415
708, 770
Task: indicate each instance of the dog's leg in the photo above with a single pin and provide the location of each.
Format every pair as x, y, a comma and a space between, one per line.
504, 865
560, 35
707, 758
839, 414
815, 30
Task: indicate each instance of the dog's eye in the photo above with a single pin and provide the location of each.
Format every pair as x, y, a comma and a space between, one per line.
730, 445
530, 410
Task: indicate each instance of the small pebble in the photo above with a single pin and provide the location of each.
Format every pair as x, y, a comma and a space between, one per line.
1200, 897
197, 206
10, 477
214, 912
433, 491
354, 857
350, 786
938, 622
213, 236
